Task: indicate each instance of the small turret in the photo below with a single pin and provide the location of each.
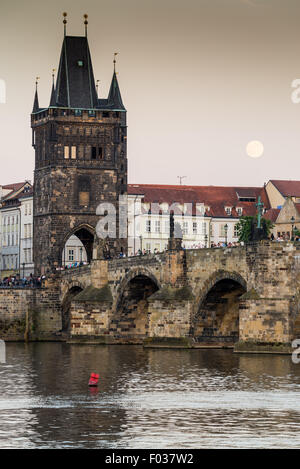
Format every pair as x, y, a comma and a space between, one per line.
36, 106
53, 97
114, 97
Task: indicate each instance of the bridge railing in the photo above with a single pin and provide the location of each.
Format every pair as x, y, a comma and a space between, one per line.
79, 270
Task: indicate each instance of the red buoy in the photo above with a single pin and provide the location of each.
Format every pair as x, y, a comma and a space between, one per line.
93, 381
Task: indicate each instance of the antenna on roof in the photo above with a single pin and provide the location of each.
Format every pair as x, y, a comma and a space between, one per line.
65, 22
85, 23
180, 178
115, 54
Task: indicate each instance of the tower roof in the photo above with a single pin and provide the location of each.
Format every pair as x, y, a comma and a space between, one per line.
75, 86
36, 105
53, 97
114, 98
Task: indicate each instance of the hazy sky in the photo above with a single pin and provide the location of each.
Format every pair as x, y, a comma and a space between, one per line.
199, 79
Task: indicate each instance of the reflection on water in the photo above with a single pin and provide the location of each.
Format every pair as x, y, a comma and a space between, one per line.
146, 398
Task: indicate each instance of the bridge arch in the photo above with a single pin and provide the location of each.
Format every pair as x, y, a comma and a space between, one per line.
72, 289
81, 246
131, 308
215, 319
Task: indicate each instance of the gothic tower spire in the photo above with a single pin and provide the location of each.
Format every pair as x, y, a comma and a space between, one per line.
114, 96
36, 105
75, 85
53, 97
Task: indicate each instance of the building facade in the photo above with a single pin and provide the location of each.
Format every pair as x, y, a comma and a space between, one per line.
16, 230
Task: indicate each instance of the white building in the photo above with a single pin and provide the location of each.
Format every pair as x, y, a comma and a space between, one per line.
74, 252
26, 240
14, 199
207, 215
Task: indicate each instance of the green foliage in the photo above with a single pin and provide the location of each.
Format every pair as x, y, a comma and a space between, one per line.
244, 227
296, 233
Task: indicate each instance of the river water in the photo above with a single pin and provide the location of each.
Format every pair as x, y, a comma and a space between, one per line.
146, 398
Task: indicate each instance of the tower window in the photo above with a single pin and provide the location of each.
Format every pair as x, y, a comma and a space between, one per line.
97, 153
94, 153
84, 189
73, 153
67, 152
84, 199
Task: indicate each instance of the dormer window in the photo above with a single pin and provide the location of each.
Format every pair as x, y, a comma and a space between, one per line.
228, 210
239, 211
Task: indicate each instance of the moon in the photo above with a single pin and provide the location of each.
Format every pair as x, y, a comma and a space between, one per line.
255, 149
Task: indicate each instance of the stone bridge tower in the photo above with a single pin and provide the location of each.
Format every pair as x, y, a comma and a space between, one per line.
80, 157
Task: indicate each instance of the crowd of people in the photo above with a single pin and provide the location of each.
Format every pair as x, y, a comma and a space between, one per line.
21, 282
72, 265
284, 237
145, 252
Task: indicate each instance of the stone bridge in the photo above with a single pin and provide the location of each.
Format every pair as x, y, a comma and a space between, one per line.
247, 297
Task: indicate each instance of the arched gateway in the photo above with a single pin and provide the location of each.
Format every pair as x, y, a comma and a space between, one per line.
77, 245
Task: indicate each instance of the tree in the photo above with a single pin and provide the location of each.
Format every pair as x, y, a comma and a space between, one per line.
296, 233
246, 227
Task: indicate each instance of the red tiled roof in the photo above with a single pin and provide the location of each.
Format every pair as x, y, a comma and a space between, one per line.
215, 197
15, 186
287, 188
272, 214
24, 194
16, 192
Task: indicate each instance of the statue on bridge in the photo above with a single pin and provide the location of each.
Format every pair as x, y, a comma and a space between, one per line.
100, 249
175, 239
259, 231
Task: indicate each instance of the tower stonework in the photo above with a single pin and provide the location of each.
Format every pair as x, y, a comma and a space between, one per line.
80, 159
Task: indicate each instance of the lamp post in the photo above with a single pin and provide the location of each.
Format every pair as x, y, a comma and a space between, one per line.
141, 243
226, 229
134, 228
292, 222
